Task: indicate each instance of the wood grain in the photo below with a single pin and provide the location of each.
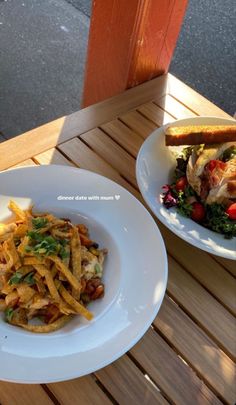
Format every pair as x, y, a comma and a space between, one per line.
198, 349
174, 107
207, 271
202, 307
138, 123
193, 100
112, 153
82, 390
124, 136
159, 30
129, 43
228, 264
127, 383
155, 114
170, 373
27, 162
84, 157
17, 394
52, 157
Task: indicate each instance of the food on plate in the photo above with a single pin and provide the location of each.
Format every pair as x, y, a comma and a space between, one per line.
204, 182
50, 269
200, 134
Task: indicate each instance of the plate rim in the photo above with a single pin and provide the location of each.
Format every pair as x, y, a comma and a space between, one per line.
206, 248
153, 314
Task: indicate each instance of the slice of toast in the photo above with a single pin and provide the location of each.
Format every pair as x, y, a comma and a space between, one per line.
200, 134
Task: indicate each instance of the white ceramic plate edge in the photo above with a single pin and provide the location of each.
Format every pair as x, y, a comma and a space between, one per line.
226, 254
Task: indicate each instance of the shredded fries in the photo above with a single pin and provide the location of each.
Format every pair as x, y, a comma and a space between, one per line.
50, 269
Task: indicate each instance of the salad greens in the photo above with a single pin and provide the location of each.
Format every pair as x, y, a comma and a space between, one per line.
184, 198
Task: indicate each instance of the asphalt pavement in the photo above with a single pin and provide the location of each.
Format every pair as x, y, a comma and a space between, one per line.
205, 56
43, 46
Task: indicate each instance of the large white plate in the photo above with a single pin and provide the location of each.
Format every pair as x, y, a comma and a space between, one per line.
154, 168
135, 275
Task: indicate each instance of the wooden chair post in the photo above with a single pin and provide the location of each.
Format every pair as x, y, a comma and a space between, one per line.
130, 42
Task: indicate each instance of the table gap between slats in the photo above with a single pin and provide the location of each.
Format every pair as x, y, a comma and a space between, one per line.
155, 114
195, 101
182, 103
131, 380
85, 388
174, 379
173, 325
50, 394
104, 389
11, 393
174, 107
94, 162
206, 285
228, 265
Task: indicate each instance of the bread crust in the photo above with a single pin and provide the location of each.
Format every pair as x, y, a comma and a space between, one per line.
200, 134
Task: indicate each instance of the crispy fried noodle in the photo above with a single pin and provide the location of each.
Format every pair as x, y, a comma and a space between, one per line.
50, 270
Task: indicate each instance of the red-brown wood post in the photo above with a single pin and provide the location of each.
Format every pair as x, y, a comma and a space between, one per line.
130, 42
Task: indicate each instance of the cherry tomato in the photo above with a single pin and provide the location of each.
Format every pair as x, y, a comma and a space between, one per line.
198, 212
181, 184
231, 211
215, 164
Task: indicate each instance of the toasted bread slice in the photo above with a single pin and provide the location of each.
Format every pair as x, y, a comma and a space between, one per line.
200, 134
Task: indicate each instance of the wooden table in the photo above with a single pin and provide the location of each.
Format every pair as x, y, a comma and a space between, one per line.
187, 356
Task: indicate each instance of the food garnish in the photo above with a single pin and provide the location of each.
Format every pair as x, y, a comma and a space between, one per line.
50, 270
204, 181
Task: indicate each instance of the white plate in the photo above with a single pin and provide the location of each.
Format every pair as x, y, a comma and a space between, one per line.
135, 275
154, 168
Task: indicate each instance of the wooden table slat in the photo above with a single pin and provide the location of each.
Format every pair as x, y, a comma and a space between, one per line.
82, 390
208, 312
193, 100
228, 264
28, 162
170, 373
124, 136
17, 394
207, 271
174, 107
199, 350
155, 114
138, 123
112, 153
127, 383
52, 157
86, 158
